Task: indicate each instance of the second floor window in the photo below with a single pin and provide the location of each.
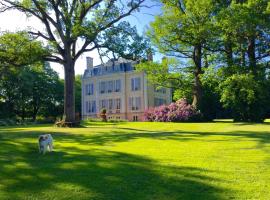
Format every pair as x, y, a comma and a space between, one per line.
160, 89
135, 84
117, 86
102, 87
110, 86
89, 89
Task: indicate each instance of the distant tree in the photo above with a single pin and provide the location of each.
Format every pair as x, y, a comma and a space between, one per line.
30, 91
69, 23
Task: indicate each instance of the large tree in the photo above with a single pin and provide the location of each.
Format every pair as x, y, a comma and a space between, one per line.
184, 31
69, 23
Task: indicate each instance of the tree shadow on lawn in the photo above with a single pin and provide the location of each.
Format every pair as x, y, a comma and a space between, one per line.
119, 135
106, 174
99, 174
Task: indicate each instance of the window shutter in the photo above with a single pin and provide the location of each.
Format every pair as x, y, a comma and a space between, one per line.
92, 89
86, 107
139, 83
132, 84
119, 82
139, 103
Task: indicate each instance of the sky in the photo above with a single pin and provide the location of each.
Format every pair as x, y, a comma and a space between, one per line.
15, 21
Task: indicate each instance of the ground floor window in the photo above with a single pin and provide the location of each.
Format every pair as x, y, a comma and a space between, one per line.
135, 118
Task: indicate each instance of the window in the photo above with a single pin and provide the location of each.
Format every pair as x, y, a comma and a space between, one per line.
86, 89
110, 86
135, 103
110, 104
118, 104
159, 102
86, 107
90, 106
117, 86
93, 107
135, 84
89, 89
135, 118
160, 89
102, 104
102, 87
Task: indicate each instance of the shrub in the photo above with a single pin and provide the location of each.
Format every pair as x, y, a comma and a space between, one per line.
246, 97
103, 114
179, 111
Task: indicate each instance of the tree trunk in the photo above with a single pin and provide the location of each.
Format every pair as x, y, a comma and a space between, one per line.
251, 55
243, 56
69, 98
34, 113
23, 113
229, 53
197, 90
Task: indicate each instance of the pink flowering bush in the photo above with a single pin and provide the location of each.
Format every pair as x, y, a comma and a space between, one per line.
175, 112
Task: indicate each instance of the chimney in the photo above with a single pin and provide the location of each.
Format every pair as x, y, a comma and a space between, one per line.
89, 62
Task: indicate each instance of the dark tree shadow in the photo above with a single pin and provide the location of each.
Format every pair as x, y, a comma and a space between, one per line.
106, 174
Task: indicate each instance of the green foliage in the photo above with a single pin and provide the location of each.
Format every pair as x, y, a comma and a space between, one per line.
18, 49
213, 40
246, 96
211, 106
122, 40
31, 91
183, 26
169, 74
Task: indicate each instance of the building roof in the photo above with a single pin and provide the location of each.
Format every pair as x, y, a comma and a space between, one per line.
112, 66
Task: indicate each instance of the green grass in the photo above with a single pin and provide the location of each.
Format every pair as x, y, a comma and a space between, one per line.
142, 161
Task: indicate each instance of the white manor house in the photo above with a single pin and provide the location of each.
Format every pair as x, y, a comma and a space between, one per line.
120, 89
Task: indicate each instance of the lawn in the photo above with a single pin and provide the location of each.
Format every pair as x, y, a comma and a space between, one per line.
142, 161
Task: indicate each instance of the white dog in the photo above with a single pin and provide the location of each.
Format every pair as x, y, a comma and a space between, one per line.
45, 142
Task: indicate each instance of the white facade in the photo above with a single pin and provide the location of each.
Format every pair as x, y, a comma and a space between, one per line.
122, 91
